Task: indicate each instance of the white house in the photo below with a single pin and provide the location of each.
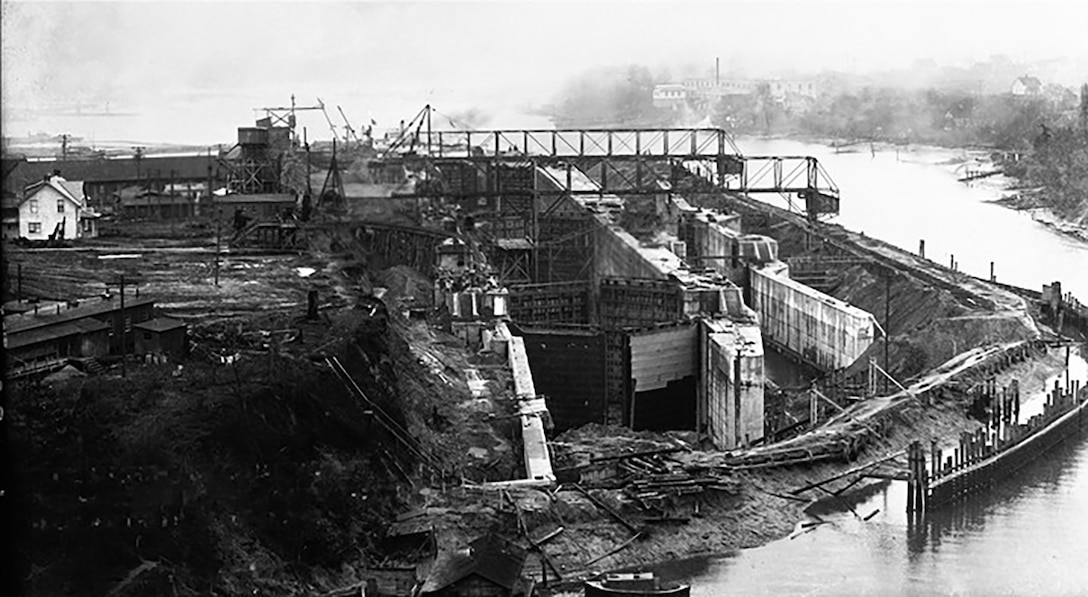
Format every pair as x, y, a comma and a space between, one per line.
56, 205
1027, 86
669, 96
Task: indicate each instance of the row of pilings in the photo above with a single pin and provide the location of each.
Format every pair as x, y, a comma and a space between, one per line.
990, 453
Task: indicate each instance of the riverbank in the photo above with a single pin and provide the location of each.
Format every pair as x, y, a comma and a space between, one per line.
769, 508
1027, 201
980, 158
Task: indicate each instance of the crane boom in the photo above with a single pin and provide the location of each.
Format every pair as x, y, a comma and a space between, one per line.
332, 127
348, 131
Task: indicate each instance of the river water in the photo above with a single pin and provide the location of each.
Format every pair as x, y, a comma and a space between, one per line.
1029, 534
905, 196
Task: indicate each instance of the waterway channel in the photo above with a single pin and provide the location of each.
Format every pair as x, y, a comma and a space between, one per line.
1029, 534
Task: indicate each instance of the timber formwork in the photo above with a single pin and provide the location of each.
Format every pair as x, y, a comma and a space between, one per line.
634, 302
555, 303
566, 248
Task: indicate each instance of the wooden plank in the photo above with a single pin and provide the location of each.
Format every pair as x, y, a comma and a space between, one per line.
603, 506
852, 471
618, 549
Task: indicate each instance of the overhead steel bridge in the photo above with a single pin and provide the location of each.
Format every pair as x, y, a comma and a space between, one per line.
620, 161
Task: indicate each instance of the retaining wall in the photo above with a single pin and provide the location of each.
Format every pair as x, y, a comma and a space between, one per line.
823, 331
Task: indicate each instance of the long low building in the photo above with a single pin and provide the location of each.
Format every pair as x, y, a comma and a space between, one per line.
42, 339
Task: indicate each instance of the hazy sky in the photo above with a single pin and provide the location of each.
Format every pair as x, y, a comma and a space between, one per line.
162, 59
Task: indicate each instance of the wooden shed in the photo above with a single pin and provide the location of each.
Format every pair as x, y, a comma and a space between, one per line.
490, 567
162, 335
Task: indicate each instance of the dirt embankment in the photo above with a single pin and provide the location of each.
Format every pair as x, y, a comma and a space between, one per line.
249, 467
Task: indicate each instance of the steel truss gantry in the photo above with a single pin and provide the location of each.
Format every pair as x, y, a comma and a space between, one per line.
623, 161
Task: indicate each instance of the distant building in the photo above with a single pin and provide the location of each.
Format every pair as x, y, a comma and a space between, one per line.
713, 90
11, 200
161, 336
1027, 86
137, 204
104, 178
783, 89
259, 206
670, 96
55, 205
10, 214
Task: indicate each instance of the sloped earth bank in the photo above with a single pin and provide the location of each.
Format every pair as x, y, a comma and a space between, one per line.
250, 468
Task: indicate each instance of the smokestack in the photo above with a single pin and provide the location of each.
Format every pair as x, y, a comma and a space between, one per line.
717, 71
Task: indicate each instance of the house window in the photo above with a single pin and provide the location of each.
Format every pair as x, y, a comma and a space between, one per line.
34, 227
147, 335
128, 323
33, 206
60, 206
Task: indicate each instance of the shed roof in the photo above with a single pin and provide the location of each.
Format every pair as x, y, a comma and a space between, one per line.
25, 321
193, 167
255, 198
31, 336
490, 557
161, 324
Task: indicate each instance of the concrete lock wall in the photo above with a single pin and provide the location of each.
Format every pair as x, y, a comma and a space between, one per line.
713, 240
619, 254
569, 368
664, 372
819, 329
733, 377
532, 409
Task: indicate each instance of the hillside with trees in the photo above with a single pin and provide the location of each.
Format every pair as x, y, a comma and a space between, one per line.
609, 97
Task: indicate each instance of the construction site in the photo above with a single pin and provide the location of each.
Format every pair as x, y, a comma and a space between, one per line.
577, 351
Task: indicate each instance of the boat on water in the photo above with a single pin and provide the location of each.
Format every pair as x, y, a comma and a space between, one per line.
634, 584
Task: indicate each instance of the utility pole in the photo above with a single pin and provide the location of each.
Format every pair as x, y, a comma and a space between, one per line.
887, 324
306, 144
124, 329
138, 156
218, 225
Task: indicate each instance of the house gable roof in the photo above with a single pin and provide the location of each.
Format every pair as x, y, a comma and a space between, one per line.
491, 557
1030, 82
65, 188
